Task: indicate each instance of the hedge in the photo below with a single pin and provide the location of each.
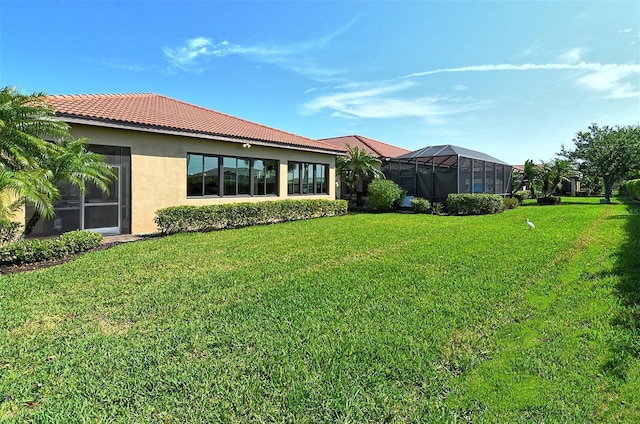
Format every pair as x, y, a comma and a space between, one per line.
177, 219
633, 188
474, 204
36, 250
549, 200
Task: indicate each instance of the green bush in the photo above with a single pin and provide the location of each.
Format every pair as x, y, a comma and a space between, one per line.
549, 200
385, 195
420, 205
510, 203
9, 231
633, 188
474, 204
177, 219
36, 250
437, 208
522, 195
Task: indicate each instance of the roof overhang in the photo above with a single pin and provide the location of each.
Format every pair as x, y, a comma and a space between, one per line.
182, 133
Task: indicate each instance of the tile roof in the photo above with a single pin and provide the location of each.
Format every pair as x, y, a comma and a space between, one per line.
158, 112
378, 148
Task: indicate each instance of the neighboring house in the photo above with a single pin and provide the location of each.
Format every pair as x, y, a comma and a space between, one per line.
373, 147
166, 152
378, 149
567, 188
436, 171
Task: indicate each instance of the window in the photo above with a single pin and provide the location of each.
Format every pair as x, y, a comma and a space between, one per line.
209, 175
307, 178
264, 176
195, 171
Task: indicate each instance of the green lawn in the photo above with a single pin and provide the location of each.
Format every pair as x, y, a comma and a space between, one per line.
361, 318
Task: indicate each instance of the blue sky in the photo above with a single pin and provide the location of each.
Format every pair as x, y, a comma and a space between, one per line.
514, 79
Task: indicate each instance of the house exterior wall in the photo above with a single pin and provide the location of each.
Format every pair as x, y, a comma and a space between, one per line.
159, 168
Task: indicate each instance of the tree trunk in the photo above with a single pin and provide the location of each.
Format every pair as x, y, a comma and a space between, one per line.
608, 188
31, 224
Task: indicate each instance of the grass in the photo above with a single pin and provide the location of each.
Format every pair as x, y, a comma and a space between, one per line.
361, 318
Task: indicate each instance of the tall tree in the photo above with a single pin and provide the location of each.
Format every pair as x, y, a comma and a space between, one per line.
356, 166
611, 153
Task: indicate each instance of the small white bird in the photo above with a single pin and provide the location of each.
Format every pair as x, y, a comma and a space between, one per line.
530, 224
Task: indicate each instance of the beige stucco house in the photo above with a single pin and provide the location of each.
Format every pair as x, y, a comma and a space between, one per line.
378, 149
166, 152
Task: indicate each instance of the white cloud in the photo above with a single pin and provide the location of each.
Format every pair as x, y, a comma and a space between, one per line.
192, 56
614, 80
573, 55
384, 102
189, 56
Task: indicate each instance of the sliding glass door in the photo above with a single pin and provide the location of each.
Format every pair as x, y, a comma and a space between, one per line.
100, 209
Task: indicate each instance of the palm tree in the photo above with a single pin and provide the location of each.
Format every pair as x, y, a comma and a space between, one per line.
531, 171
73, 164
25, 122
553, 174
17, 187
37, 152
356, 166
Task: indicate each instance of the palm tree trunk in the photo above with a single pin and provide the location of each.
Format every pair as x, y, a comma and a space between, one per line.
31, 224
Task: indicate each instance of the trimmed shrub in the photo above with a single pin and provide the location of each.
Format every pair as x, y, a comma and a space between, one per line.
37, 250
474, 204
633, 188
385, 195
549, 200
510, 203
420, 205
177, 219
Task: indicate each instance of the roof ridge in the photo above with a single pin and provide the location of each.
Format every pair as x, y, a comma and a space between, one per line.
242, 119
382, 142
104, 95
362, 140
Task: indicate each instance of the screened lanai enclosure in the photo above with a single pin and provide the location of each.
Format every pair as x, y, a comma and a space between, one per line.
434, 172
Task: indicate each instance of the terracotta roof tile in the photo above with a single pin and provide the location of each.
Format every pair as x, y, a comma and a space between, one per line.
160, 112
377, 148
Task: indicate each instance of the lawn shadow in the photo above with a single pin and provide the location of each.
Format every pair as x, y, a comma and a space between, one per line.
626, 350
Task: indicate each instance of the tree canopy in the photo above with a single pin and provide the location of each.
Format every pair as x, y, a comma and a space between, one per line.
611, 153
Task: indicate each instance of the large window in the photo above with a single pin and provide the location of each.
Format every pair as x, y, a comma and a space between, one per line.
307, 178
209, 175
